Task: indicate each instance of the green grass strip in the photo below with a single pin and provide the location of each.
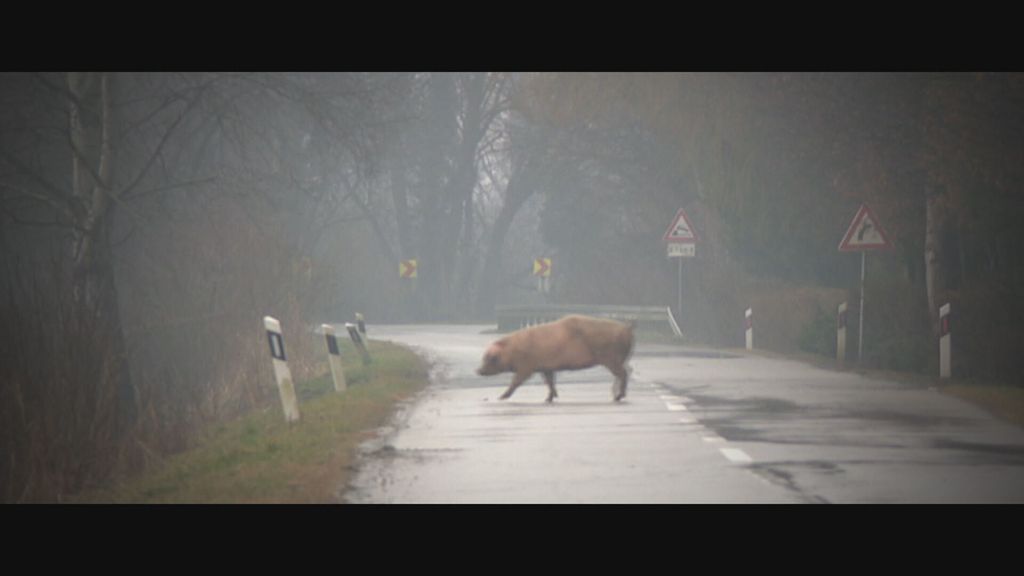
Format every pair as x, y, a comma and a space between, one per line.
260, 458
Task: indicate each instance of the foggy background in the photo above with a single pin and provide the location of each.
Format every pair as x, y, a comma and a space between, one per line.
150, 220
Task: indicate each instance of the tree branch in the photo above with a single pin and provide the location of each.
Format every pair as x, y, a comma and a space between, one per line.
56, 193
127, 191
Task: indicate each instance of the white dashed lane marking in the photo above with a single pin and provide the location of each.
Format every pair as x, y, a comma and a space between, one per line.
676, 403
736, 455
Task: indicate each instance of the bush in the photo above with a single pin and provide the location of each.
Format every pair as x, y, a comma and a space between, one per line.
818, 336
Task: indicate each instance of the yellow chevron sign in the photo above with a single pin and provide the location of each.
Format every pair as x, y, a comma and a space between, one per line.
542, 267
407, 268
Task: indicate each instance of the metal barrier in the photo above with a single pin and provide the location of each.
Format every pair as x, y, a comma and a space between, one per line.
652, 318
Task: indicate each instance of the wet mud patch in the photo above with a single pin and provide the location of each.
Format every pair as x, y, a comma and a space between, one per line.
779, 473
1001, 454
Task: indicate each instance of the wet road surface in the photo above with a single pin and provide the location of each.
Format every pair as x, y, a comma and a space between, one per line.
697, 426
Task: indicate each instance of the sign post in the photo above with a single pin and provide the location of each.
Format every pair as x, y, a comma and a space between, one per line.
863, 234
409, 269
285, 386
682, 243
542, 270
841, 336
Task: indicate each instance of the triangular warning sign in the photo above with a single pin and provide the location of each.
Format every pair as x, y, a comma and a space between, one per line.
864, 233
681, 230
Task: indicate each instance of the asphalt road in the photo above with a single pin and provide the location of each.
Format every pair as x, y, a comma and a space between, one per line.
697, 426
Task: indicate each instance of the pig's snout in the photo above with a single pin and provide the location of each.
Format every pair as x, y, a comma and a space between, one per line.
489, 366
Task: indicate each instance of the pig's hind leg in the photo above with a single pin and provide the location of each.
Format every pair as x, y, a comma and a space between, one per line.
621, 381
549, 377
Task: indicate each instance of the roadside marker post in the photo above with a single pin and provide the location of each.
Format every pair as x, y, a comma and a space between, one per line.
285, 385
945, 343
361, 322
334, 358
357, 339
841, 336
750, 328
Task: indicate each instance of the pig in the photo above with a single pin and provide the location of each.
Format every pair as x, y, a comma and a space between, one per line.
572, 343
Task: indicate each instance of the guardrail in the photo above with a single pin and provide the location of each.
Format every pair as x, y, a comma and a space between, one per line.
653, 318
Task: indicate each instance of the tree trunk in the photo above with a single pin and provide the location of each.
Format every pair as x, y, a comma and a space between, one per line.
465, 185
517, 193
936, 220
400, 200
487, 292
94, 291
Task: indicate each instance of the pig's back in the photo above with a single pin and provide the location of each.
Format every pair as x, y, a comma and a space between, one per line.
607, 340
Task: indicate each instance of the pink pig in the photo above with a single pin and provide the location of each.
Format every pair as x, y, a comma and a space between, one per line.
572, 343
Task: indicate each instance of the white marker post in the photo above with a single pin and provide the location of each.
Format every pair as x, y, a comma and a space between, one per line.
944, 342
750, 328
284, 376
841, 336
353, 333
334, 358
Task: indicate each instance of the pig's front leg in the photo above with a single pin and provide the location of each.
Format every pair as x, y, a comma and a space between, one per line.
549, 377
516, 382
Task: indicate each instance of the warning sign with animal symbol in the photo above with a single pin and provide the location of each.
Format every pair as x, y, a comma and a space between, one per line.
864, 233
681, 231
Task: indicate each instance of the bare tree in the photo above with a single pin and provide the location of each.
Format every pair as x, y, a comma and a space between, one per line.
185, 206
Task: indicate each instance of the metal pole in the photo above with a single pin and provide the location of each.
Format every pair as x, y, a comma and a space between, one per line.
860, 329
679, 305
841, 336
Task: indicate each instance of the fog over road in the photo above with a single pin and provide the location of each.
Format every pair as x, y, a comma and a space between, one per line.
697, 426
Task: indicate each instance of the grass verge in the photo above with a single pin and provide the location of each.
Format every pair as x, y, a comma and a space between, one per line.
259, 458
1003, 402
